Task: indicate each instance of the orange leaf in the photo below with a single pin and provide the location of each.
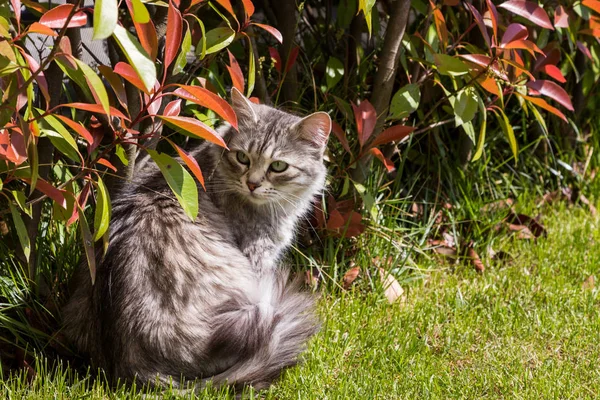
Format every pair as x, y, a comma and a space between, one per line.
440, 24
84, 133
592, 4
106, 163
146, 33
191, 163
56, 17
544, 104
523, 45
226, 4
195, 127
350, 276
489, 84
389, 165
235, 72
208, 99
36, 27
95, 108
248, 9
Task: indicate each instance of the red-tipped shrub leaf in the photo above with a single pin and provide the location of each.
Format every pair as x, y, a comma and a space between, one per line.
552, 90
236, 73
592, 4
36, 27
392, 134
530, 11
514, 32
191, 163
78, 128
174, 30
366, 118
544, 104
127, 72
50, 191
56, 17
195, 128
276, 58
173, 108
95, 108
248, 9
523, 45
389, 165
554, 72
493, 15
208, 99
480, 24
561, 17
341, 135
276, 34
106, 163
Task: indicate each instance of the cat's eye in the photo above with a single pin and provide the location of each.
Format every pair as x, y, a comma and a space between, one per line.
278, 166
242, 158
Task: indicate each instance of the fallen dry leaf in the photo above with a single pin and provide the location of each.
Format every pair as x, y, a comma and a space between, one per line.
392, 289
585, 201
350, 276
477, 263
589, 283
3, 228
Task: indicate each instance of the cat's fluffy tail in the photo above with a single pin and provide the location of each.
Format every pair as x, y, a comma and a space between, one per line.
265, 333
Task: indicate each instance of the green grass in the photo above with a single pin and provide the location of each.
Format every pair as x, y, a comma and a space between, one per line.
525, 328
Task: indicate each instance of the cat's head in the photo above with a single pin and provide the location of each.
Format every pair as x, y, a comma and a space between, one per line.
275, 157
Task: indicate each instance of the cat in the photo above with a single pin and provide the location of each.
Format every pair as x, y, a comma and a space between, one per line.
176, 300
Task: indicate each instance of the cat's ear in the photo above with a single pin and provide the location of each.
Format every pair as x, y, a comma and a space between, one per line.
242, 106
315, 128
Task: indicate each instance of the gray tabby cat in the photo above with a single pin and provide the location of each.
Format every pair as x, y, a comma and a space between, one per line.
175, 299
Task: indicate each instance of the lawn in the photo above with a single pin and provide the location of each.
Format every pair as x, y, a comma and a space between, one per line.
527, 327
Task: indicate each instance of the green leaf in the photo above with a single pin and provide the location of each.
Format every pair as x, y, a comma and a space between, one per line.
140, 12
137, 56
88, 243
76, 75
218, 38
508, 130
180, 181
465, 106
21, 201
181, 60
32, 157
365, 6
106, 13
96, 84
334, 71
347, 9
120, 152
60, 137
251, 69
482, 129
21, 231
201, 45
405, 101
448, 65
103, 210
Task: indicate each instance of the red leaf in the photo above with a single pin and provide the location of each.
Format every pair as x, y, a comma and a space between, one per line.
40, 78
248, 9
554, 72
208, 99
116, 84
196, 128
292, 59
335, 221
366, 118
493, 13
57, 17
153, 107
480, 23
106, 163
561, 18
50, 191
392, 134
95, 108
552, 90
543, 104
341, 135
552, 56
276, 34
128, 73
81, 131
12, 146
440, 24
191, 163
235, 72
389, 165
146, 33
82, 199
514, 32
276, 59
173, 108
174, 27
593, 4
530, 11
226, 4
581, 46
350, 276
36, 27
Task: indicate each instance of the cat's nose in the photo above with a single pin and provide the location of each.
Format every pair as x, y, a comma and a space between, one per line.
252, 186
